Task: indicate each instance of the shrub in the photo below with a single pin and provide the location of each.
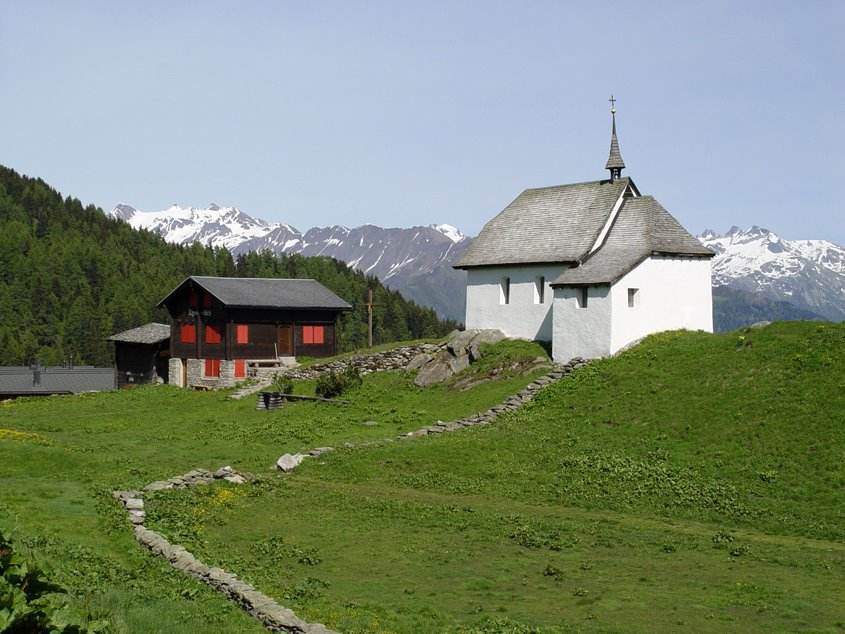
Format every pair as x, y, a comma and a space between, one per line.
331, 383
282, 384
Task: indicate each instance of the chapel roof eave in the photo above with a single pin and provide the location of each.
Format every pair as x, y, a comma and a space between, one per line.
465, 267
548, 225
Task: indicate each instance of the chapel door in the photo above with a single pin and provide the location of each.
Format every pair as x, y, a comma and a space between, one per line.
283, 346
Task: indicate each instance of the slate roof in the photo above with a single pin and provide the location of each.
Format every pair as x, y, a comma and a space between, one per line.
240, 292
21, 381
148, 333
546, 225
641, 228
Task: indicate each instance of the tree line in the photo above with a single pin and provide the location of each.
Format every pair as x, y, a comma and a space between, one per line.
70, 276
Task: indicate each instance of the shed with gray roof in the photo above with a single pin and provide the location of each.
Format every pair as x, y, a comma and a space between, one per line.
142, 355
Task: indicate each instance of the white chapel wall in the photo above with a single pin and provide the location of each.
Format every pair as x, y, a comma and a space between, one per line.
671, 293
521, 317
581, 331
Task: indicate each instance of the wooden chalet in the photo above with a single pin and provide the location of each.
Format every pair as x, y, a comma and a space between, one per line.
141, 355
222, 325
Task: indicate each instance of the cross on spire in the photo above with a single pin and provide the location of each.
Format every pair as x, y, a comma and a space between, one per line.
612, 103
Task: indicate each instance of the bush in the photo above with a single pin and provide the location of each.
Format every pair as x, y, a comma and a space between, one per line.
282, 384
331, 383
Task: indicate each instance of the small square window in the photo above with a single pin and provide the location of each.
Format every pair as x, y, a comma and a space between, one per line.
212, 367
582, 296
633, 297
539, 289
505, 290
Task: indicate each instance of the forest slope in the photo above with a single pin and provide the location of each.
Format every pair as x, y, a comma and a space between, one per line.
70, 277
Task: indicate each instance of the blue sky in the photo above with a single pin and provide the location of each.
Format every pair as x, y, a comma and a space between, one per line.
400, 113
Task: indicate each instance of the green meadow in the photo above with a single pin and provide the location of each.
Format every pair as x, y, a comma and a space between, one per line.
694, 483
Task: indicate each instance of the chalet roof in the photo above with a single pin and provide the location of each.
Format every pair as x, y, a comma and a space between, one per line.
148, 333
240, 292
546, 225
23, 380
641, 228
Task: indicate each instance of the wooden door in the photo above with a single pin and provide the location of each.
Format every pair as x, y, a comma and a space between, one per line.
283, 347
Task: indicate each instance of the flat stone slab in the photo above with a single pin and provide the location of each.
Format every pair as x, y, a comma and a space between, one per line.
288, 462
159, 485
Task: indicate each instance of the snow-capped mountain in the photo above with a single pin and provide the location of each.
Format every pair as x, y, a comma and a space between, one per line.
807, 273
397, 256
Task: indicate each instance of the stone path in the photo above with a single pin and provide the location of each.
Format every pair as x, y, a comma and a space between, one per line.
274, 616
261, 384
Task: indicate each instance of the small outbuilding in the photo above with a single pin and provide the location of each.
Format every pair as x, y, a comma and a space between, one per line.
141, 355
220, 326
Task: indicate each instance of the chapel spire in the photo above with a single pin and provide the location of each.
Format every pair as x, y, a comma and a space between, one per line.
614, 162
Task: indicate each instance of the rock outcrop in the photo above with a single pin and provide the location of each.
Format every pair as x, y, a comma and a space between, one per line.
441, 364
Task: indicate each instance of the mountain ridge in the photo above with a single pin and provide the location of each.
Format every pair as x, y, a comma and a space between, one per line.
399, 257
808, 274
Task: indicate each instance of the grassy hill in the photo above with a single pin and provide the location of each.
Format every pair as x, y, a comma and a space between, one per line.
695, 482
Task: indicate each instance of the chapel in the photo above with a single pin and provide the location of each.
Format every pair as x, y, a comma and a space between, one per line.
588, 267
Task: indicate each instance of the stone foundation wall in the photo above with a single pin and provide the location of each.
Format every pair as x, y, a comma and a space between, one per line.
197, 378
174, 372
395, 359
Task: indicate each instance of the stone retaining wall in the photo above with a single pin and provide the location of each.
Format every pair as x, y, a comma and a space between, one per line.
259, 605
395, 359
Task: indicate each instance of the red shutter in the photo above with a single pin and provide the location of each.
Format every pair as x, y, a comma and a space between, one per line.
206, 300
212, 367
240, 368
212, 333
187, 333
319, 334
242, 334
308, 334
193, 301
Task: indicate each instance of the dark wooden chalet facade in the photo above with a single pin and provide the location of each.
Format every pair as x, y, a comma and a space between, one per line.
221, 324
142, 355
